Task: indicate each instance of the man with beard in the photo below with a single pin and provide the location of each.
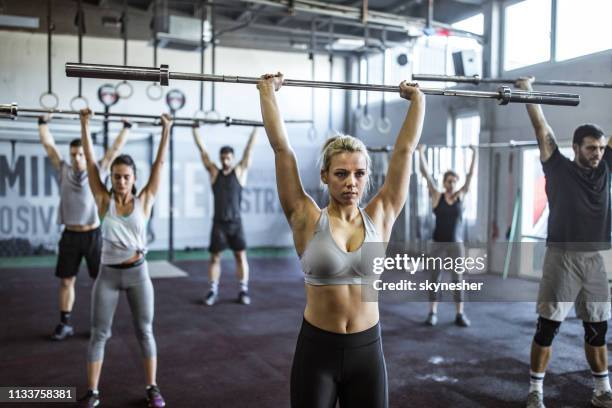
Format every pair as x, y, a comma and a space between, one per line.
227, 231
573, 273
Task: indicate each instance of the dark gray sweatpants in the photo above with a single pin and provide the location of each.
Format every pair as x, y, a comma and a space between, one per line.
110, 283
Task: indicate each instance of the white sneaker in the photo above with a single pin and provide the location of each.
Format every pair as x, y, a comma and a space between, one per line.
535, 399
211, 298
603, 400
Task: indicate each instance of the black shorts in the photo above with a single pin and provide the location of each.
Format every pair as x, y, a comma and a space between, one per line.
73, 246
226, 234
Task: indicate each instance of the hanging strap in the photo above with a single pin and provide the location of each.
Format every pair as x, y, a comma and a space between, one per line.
124, 21
80, 22
155, 30
202, 49
383, 104
213, 56
366, 37
312, 133
384, 124
331, 73
50, 29
49, 94
124, 35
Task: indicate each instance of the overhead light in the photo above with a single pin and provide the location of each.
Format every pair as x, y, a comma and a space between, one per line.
18, 21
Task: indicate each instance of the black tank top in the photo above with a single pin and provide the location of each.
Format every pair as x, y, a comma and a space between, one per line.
228, 195
448, 221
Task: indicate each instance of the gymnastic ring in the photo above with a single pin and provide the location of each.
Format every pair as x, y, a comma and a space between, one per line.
212, 115
366, 122
383, 125
312, 133
79, 98
124, 84
50, 106
155, 91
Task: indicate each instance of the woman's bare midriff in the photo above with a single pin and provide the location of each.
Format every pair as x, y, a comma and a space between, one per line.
339, 308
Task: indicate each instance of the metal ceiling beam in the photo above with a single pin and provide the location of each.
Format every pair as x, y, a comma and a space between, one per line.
402, 5
249, 10
354, 14
323, 34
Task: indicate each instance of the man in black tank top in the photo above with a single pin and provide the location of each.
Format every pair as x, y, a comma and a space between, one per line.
448, 233
227, 184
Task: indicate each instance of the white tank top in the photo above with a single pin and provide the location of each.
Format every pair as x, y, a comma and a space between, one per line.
123, 236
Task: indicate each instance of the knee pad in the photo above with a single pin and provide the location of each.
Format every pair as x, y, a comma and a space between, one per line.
595, 333
546, 332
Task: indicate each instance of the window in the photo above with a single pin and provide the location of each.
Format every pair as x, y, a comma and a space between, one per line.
474, 24
527, 33
467, 132
583, 27
534, 205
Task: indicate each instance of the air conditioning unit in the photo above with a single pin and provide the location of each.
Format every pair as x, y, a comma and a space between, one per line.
467, 63
181, 33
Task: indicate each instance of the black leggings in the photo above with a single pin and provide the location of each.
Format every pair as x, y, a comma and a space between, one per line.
330, 367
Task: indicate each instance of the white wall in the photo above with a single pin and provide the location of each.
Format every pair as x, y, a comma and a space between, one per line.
23, 78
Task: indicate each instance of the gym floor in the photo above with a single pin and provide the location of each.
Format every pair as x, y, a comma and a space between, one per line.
231, 355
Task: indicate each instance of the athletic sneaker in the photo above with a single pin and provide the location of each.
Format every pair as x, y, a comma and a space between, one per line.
211, 298
154, 397
535, 399
244, 298
62, 331
432, 319
89, 400
602, 400
462, 321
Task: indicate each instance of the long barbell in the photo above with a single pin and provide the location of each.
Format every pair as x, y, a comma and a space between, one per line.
12, 111
163, 75
476, 80
492, 145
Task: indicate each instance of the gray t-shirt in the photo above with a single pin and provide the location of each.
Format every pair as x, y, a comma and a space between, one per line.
77, 205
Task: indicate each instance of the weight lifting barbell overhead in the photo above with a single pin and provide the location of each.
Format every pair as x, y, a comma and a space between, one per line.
492, 145
476, 80
12, 111
163, 75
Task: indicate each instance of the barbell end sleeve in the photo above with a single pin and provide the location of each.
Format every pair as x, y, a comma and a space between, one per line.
9, 110
117, 72
544, 99
164, 75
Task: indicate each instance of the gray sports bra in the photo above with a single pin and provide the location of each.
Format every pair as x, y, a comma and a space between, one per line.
325, 263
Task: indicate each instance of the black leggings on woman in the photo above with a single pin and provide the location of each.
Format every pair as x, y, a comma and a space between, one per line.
330, 367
